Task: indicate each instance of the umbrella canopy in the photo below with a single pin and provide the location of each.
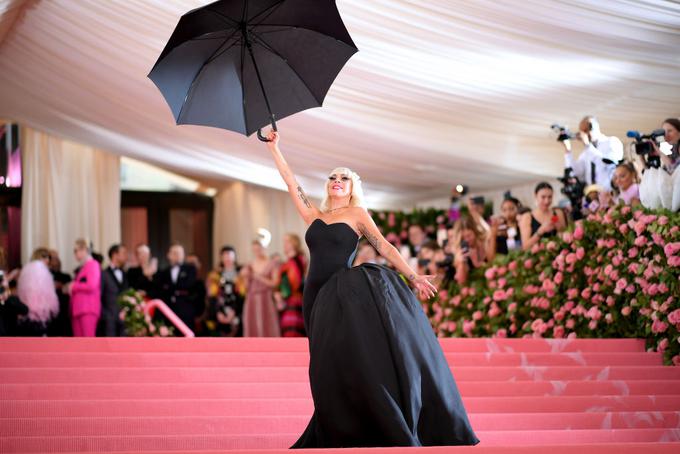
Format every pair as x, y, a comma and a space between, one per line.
241, 64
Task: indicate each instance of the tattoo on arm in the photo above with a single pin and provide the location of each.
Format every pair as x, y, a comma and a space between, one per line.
370, 237
302, 196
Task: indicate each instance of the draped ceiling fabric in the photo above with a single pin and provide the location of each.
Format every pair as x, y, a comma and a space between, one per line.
441, 92
70, 191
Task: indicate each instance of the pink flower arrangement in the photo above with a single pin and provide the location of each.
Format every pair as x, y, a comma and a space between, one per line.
618, 278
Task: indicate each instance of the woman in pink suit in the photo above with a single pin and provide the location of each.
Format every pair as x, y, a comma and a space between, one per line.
85, 292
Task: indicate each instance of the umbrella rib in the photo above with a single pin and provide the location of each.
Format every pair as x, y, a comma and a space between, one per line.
205, 63
286, 27
270, 9
226, 18
267, 46
243, 90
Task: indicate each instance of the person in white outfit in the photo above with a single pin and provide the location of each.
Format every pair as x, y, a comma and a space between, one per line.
601, 154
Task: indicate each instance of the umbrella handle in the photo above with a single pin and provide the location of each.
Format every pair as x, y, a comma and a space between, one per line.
262, 137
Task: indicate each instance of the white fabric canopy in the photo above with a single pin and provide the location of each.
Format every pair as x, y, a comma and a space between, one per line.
70, 191
441, 92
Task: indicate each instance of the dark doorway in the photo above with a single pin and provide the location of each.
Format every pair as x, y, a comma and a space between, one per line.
161, 218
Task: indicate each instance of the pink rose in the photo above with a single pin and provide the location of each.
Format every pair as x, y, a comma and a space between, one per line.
621, 283
490, 273
512, 266
663, 345
623, 228
674, 317
578, 232
671, 248
663, 220
501, 333
468, 327
580, 253
477, 315
558, 332
640, 241
592, 324
494, 311
570, 323
512, 307
571, 258
658, 326
572, 293
625, 310
528, 263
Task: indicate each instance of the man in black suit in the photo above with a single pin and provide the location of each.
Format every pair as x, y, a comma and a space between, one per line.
114, 282
176, 286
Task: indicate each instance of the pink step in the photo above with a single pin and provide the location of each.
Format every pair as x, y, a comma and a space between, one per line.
301, 407
249, 359
580, 448
300, 373
112, 391
56, 344
274, 441
181, 425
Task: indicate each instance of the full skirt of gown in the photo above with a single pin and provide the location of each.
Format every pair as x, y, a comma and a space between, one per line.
377, 371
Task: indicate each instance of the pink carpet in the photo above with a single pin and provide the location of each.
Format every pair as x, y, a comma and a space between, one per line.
252, 395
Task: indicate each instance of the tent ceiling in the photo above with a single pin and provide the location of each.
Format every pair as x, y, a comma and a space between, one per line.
441, 92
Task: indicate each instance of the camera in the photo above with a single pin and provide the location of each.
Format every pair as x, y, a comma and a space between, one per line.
573, 188
643, 146
562, 132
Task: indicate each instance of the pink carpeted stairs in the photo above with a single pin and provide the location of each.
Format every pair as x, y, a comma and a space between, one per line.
252, 395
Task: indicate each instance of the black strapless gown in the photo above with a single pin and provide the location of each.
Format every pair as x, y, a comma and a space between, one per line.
377, 372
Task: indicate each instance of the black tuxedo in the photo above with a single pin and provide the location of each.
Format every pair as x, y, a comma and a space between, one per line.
180, 296
139, 281
111, 324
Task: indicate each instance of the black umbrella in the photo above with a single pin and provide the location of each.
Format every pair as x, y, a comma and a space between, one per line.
241, 64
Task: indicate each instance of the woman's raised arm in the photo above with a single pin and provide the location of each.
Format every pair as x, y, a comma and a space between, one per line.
304, 206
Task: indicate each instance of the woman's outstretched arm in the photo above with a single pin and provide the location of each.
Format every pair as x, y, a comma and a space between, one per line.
304, 206
367, 227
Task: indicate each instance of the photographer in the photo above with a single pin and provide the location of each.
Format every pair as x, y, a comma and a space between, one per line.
600, 154
660, 185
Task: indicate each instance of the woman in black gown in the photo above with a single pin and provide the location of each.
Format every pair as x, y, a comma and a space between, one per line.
377, 372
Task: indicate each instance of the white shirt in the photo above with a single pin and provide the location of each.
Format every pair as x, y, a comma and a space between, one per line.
174, 273
610, 148
119, 275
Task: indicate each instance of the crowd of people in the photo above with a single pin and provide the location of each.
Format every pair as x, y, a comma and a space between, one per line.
264, 297
602, 176
261, 298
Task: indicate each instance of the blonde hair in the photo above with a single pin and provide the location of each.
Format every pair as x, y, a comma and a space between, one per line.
295, 241
81, 243
40, 253
356, 198
468, 223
